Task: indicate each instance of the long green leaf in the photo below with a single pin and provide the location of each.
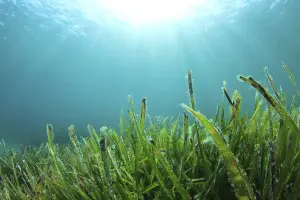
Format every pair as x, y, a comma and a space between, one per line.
238, 177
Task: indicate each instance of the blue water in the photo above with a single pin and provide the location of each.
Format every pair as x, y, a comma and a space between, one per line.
73, 62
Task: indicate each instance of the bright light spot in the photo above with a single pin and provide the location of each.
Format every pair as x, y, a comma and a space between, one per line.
139, 12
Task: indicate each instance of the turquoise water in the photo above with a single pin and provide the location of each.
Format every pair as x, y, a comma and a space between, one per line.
75, 62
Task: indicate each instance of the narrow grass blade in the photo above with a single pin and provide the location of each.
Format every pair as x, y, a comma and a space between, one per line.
143, 114
238, 177
290, 74
274, 103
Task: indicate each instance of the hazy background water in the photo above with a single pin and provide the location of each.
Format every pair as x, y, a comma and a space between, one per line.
72, 62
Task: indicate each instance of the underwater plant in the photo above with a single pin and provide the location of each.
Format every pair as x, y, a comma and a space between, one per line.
188, 157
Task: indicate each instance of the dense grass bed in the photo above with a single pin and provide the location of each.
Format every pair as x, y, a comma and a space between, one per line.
189, 157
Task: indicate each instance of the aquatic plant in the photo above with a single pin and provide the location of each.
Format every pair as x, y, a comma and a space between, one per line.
239, 157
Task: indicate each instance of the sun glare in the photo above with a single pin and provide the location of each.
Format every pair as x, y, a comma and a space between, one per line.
150, 11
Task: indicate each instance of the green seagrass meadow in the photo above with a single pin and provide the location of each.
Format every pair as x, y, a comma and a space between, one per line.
233, 156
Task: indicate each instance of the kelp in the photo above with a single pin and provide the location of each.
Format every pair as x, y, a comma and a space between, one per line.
235, 157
